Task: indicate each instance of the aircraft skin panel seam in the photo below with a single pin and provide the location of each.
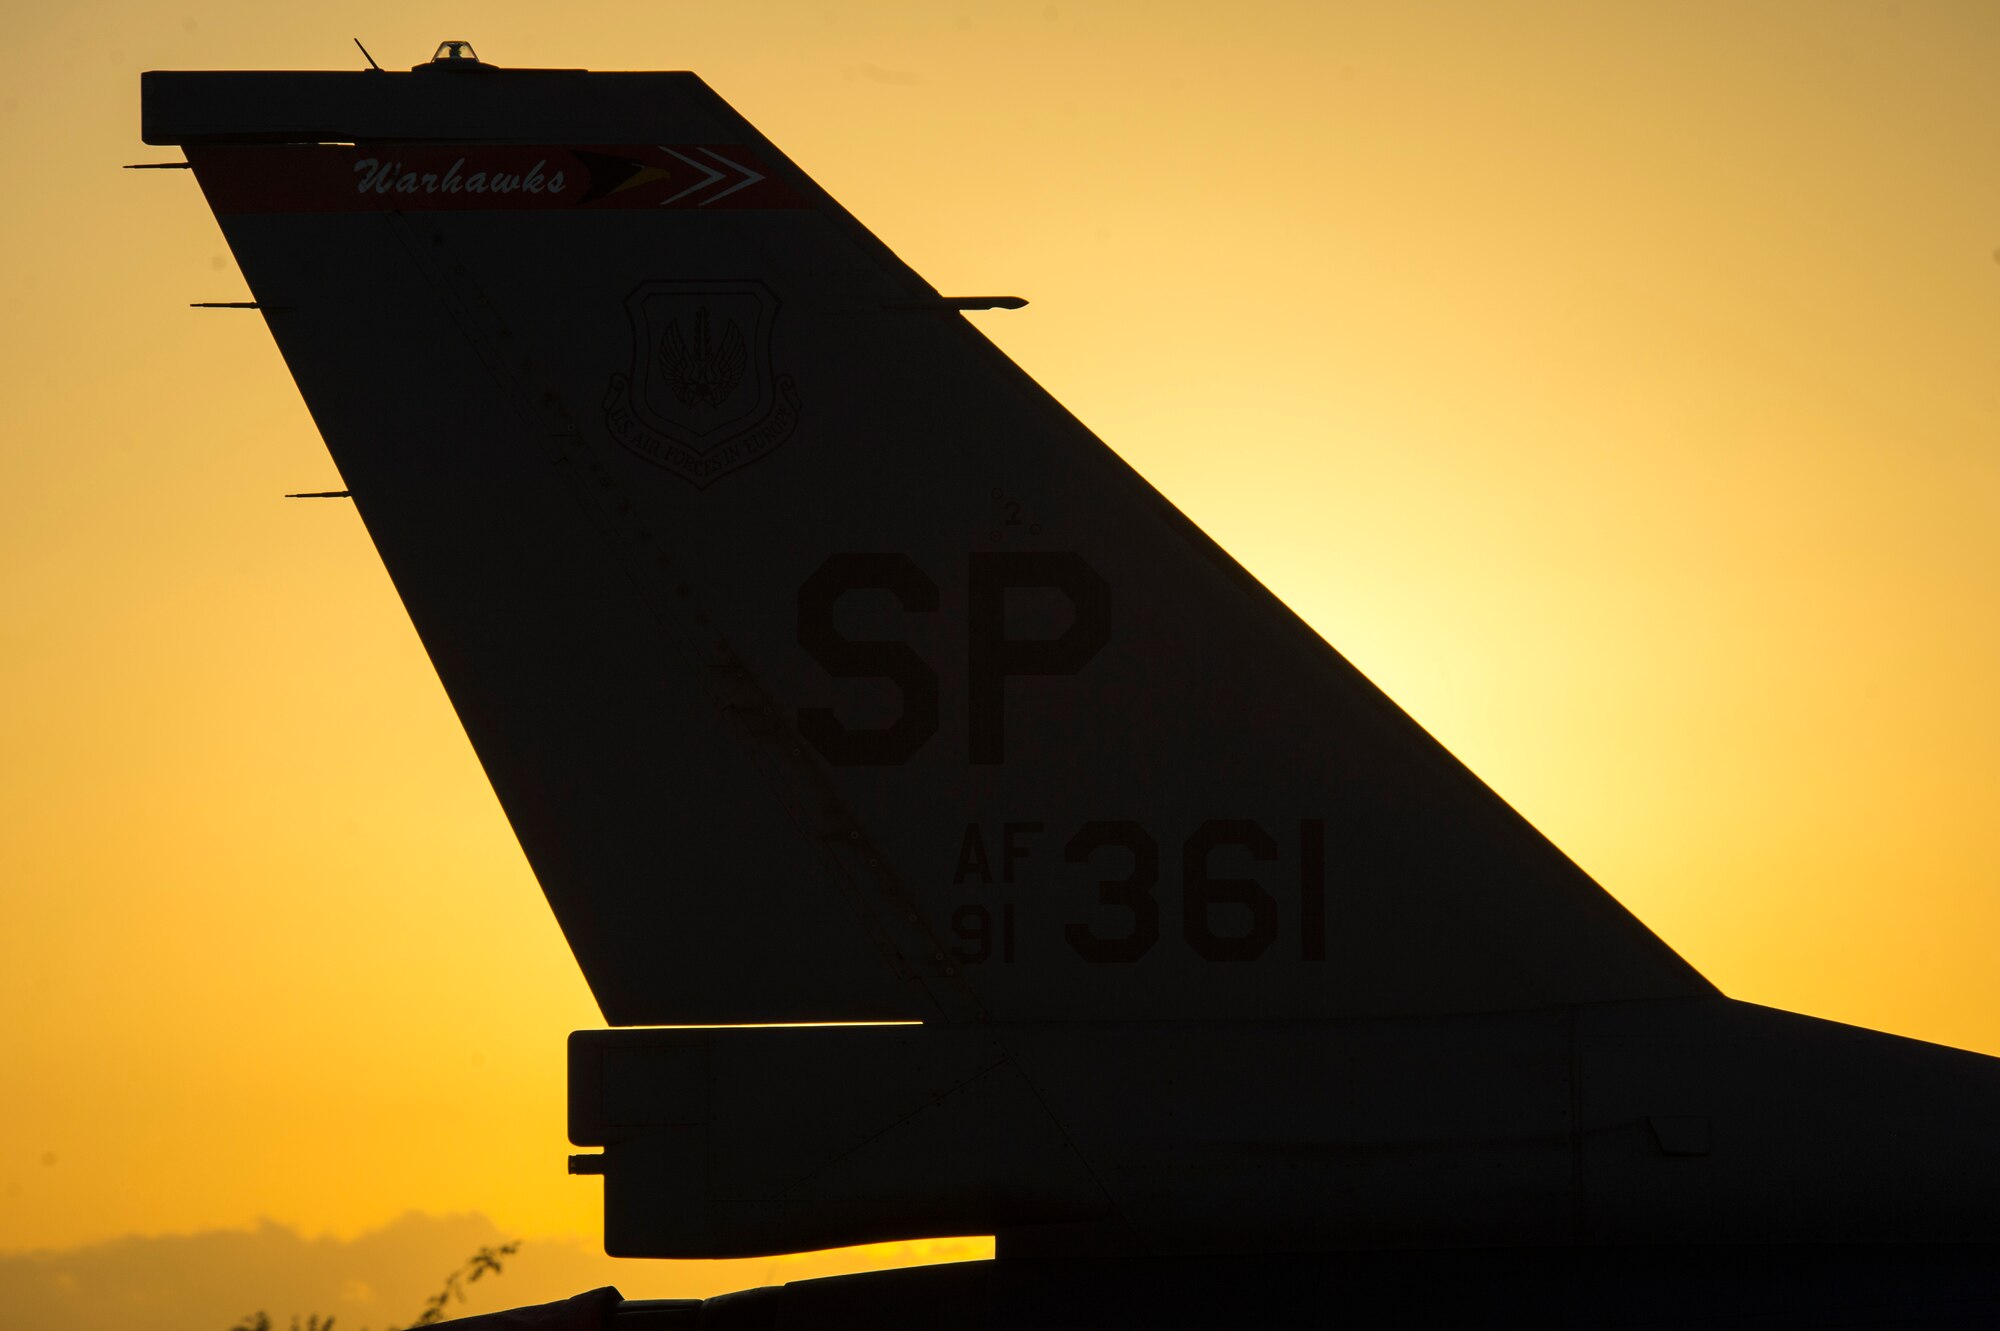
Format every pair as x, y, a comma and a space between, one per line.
1573, 1072
1090, 1167
830, 1162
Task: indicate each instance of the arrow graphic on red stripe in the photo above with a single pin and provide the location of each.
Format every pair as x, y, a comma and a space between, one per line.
710, 176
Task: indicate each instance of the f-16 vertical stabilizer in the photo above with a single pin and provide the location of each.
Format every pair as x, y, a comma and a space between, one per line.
829, 671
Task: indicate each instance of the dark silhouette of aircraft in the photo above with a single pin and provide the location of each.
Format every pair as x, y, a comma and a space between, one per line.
830, 672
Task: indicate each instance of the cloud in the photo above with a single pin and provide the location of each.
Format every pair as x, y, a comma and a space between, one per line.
904, 78
209, 1281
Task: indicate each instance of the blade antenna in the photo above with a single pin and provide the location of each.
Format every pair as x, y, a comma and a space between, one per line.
369, 58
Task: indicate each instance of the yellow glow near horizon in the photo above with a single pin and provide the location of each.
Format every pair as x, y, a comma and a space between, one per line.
1613, 384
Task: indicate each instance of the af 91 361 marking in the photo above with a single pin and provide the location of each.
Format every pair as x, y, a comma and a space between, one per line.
1222, 918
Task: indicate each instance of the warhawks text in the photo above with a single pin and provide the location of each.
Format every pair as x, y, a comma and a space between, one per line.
379, 177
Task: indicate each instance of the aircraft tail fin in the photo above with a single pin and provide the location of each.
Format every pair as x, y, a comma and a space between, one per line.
825, 666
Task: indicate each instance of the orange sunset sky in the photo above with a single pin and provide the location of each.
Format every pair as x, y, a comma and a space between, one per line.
1614, 384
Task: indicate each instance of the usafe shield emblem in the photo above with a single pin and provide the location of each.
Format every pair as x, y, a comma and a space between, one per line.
701, 398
